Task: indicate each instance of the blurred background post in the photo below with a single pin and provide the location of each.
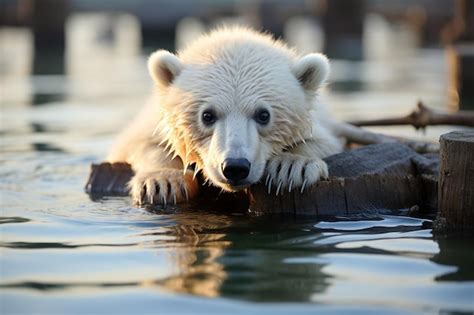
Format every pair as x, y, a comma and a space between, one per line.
63, 50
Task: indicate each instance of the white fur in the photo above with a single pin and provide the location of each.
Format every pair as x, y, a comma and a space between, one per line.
163, 67
233, 72
312, 70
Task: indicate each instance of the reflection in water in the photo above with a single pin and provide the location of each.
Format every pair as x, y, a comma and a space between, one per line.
199, 243
268, 260
456, 249
46, 147
240, 257
83, 246
4, 220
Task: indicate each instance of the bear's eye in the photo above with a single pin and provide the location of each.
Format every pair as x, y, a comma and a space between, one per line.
262, 116
208, 117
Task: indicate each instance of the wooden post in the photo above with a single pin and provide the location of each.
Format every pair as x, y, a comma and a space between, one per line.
48, 22
343, 26
461, 75
456, 182
459, 34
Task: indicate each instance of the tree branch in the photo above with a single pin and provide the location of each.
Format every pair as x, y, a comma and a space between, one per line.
422, 117
358, 135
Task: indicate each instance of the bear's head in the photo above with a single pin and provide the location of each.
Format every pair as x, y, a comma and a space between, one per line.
232, 100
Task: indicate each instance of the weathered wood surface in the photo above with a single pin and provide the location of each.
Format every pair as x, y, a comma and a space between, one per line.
374, 177
456, 184
109, 179
384, 176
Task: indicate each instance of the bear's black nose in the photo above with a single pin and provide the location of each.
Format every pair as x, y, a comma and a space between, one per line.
236, 169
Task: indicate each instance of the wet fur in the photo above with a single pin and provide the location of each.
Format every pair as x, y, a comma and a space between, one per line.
234, 70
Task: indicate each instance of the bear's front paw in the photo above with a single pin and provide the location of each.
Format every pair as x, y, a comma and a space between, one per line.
288, 171
162, 187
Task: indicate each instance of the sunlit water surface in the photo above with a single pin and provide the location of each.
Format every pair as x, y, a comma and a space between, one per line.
62, 252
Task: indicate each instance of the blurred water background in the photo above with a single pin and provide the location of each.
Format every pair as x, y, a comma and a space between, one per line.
66, 93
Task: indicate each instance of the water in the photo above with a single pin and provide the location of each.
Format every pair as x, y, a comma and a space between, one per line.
62, 252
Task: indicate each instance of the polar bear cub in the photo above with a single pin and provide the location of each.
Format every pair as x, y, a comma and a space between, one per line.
236, 105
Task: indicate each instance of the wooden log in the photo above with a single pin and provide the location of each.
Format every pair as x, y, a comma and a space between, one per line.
456, 181
109, 179
388, 176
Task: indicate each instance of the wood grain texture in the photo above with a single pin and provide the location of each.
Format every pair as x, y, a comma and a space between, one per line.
456, 184
109, 179
383, 176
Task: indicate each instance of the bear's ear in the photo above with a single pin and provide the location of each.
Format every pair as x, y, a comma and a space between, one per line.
311, 70
164, 67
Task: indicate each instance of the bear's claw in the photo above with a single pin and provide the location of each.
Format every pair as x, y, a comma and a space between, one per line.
163, 187
289, 171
